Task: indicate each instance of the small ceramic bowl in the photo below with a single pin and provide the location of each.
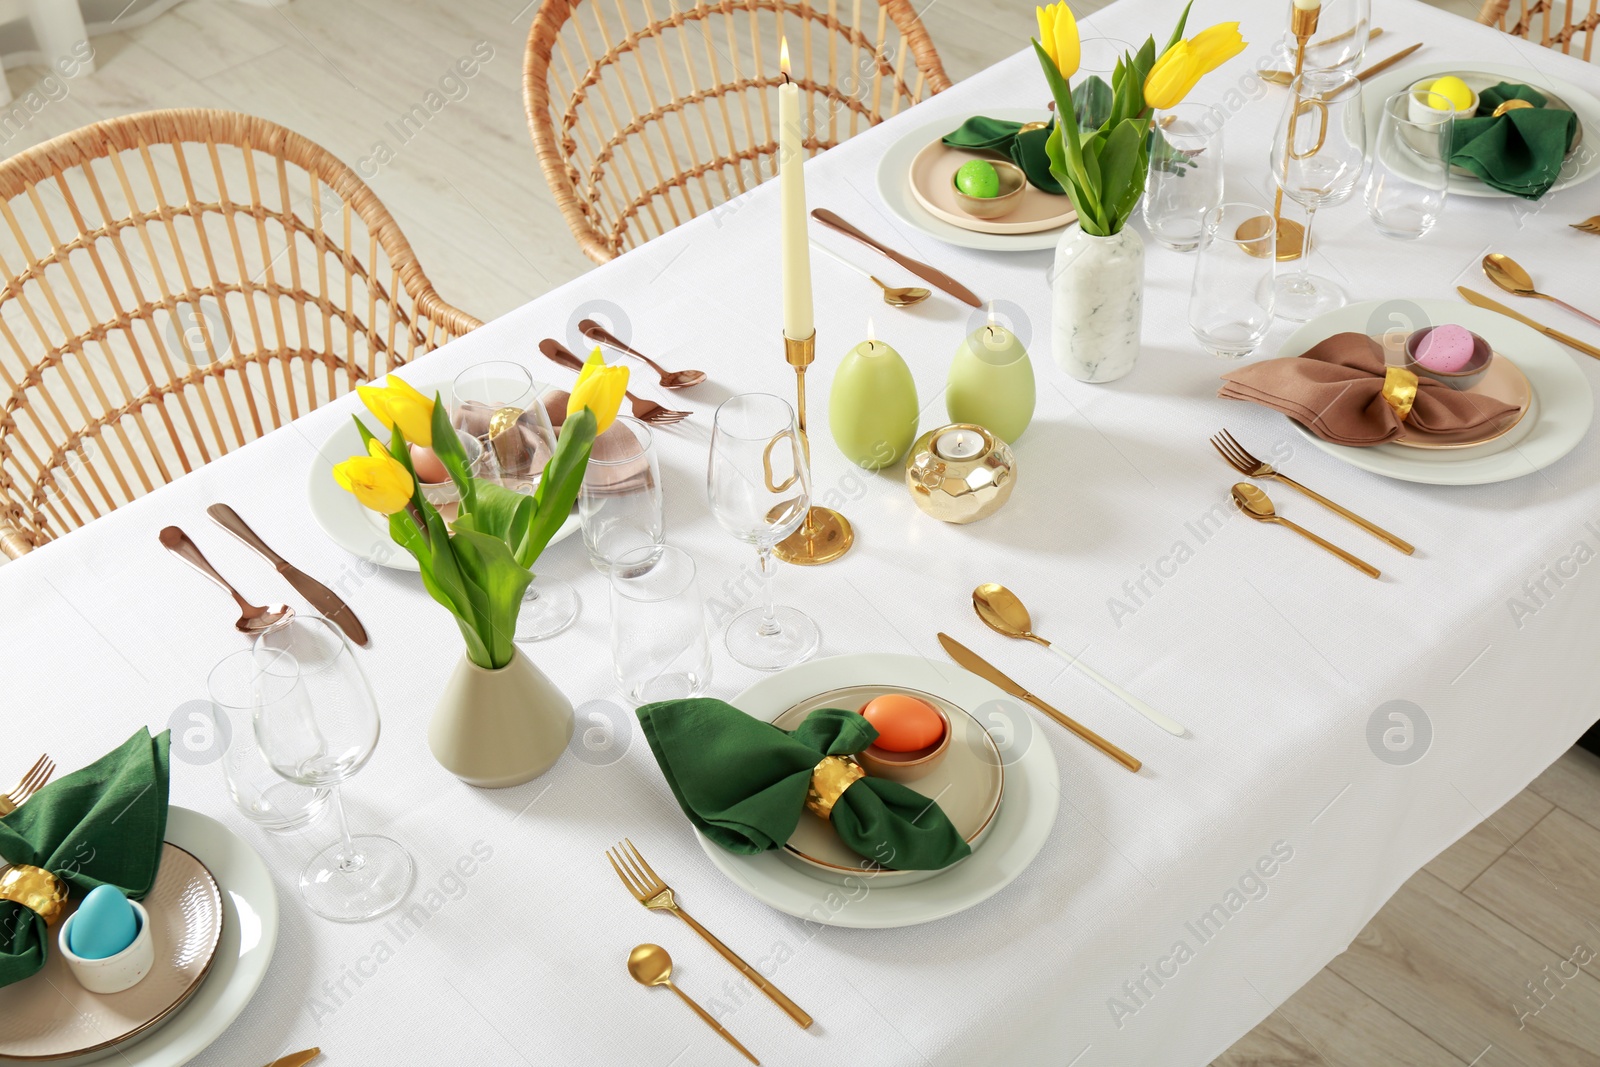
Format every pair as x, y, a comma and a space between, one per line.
441, 493
112, 974
906, 766
1012, 185
1420, 111
1466, 377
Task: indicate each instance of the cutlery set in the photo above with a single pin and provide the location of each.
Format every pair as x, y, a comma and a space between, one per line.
255, 620
1258, 506
651, 965
1509, 276
896, 297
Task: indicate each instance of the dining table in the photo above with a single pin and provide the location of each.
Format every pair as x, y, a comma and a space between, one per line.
1341, 731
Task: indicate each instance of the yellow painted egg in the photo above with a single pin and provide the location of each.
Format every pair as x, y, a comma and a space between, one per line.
1453, 89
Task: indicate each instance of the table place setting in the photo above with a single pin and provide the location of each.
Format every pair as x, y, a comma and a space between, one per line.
820, 635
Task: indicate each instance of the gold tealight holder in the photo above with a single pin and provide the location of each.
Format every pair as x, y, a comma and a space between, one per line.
960, 473
825, 535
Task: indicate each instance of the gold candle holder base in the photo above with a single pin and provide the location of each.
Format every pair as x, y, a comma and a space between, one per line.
825, 535
1291, 239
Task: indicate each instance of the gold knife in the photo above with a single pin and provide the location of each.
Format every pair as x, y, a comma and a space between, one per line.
296, 1059
317, 595
922, 270
992, 674
1479, 300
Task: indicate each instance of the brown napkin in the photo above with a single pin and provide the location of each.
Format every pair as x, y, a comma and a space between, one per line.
1336, 391
607, 477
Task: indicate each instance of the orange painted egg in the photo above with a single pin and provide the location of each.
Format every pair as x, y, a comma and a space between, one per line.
429, 467
904, 723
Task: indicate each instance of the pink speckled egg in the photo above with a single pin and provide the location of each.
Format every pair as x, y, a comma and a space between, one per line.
1445, 349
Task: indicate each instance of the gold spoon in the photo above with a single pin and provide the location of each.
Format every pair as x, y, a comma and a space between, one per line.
895, 296
1004, 613
651, 965
1508, 274
1256, 504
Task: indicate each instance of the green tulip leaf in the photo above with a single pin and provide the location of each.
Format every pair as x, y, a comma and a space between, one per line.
498, 582
447, 446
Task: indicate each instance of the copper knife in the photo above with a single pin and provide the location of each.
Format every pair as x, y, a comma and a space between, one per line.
317, 595
1479, 300
296, 1059
921, 270
975, 663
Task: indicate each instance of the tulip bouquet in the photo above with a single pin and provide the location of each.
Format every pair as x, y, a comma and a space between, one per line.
479, 565
1103, 168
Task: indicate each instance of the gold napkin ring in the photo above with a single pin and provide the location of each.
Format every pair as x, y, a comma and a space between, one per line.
35, 889
829, 779
1400, 390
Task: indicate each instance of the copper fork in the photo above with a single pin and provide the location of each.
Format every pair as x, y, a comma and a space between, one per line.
1588, 225
653, 893
36, 778
1251, 467
643, 410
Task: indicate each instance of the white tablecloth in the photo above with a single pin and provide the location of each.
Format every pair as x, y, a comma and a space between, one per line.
1275, 655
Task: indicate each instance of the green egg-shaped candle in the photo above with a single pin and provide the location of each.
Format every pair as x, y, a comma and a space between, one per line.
977, 177
872, 407
991, 383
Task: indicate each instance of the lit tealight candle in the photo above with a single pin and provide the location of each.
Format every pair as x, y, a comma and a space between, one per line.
959, 443
1307, 5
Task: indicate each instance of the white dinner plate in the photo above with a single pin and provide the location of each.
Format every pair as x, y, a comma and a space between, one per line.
1563, 404
358, 530
1581, 165
249, 935
1032, 795
894, 185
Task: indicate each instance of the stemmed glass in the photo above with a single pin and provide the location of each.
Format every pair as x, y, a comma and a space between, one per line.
1410, 176
760, 492
316, 722
1317, 157
501, 405
1343, 28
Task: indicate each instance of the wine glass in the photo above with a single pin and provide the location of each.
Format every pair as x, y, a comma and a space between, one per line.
761, 492
316, 722
1231, 301
1343, 29
1317, 156
501, 405
1410, 176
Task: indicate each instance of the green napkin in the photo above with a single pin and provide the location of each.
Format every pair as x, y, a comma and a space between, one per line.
1520, 152
742, 782
1026, 150
102, 825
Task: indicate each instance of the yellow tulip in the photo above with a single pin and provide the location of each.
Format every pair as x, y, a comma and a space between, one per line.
378, 480
599, 389
395, 401
1058, 35
1182, 66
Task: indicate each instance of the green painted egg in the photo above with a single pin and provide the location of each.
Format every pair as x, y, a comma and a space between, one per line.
977, 177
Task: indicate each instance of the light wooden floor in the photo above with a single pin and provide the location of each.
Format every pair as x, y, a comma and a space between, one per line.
1438, 978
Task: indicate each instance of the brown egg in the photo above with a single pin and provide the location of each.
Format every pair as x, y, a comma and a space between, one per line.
429, 467
904, 723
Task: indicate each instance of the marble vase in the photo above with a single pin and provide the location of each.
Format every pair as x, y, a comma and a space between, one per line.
1096, 304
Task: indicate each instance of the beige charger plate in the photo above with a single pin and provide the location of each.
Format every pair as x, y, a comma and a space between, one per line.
968, 784
49, 1016
931, 173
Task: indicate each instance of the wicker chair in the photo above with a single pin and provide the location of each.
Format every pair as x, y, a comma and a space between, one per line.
1553, 32
643, 121
177, 283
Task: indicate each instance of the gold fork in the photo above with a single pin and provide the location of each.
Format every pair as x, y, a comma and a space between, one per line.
1588, 225
31, 783
1251, 467
653, 893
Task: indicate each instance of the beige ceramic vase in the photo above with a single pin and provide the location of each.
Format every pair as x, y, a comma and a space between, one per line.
494, 729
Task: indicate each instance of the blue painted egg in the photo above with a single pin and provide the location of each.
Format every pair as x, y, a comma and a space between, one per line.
104, 925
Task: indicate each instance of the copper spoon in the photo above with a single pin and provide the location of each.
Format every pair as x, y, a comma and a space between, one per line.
670, 379
253, 620
1508, 274
651, 965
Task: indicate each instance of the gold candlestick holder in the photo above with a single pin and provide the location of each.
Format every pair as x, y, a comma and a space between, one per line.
1291, 239
825, 535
